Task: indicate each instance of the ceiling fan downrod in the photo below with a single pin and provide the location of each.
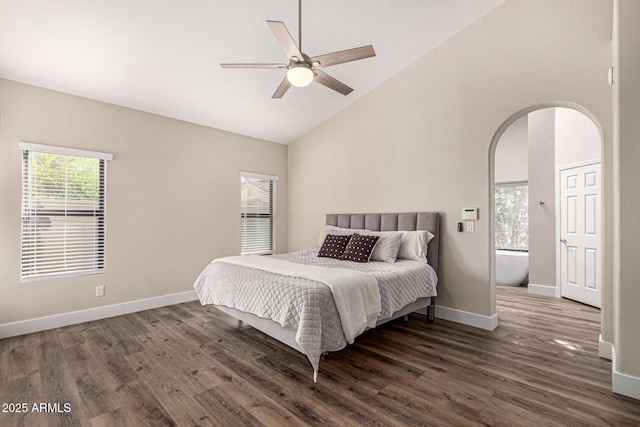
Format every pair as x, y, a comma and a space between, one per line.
300, 25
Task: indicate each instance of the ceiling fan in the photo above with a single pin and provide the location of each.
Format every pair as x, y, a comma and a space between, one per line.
302, 69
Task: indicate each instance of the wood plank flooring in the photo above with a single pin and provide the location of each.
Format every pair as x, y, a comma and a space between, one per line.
189, 365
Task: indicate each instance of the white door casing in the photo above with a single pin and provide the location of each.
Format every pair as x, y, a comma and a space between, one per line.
580, 233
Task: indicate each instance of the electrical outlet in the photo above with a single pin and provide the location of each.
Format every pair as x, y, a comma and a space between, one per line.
470, 227
100, 291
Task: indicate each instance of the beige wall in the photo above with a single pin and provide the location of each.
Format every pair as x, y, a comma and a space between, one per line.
627, 105
542, 187
173, 198
577, 138
422, 140
512, 153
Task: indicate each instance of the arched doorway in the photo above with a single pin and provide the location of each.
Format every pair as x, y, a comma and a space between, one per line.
561, 158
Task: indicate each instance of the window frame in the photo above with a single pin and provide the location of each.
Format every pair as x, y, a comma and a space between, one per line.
497, 185
273, 211
30, 273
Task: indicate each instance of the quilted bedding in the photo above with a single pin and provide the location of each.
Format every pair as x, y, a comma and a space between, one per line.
307, 306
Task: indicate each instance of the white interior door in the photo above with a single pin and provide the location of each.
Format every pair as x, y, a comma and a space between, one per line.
580, 237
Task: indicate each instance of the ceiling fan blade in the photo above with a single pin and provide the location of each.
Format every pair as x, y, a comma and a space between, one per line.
254, 66
343, 56
328, 81
285, 40
282, 88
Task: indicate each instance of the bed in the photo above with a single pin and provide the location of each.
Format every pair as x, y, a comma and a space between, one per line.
294, 297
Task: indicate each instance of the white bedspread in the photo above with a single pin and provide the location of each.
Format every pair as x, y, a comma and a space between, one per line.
355, 293
307, 306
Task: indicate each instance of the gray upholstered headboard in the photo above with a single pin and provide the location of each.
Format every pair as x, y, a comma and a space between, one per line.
394, 222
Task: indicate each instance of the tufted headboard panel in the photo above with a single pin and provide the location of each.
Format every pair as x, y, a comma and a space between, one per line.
395, 222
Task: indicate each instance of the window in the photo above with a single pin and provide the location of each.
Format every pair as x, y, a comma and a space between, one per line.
257, 213
63, 205
512, 216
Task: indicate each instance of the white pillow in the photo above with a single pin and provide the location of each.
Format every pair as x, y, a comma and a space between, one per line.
414, 244
387, 246
332, 229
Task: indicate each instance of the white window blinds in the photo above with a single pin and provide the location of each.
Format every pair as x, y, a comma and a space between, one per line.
63, 211
257, 213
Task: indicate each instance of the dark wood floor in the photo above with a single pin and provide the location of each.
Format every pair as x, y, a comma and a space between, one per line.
190, 365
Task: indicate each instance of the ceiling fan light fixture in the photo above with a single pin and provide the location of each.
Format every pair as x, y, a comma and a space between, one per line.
300, 75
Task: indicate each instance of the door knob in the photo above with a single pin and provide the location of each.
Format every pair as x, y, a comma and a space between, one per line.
564, 241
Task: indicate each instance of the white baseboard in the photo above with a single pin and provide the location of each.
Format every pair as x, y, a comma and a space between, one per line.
74, 317
604, 349
548, 291
624, 384
466, 318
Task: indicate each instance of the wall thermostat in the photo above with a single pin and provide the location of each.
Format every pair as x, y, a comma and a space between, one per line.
470, 214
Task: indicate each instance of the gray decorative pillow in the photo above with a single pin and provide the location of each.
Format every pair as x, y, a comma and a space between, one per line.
334, 246
359, 248
386, 250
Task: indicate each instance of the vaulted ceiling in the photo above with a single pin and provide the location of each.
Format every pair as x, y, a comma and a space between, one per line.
163, 56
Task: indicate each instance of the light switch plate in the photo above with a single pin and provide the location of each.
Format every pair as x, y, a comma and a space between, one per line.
470, 227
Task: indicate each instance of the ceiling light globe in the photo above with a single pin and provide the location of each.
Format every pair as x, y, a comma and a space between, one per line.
300, 75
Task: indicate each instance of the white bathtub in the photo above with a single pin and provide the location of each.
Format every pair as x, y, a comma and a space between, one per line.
512, 267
